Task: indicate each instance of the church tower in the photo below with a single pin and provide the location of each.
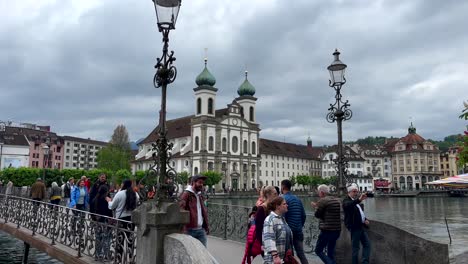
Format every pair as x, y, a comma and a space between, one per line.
205, 93
247, 100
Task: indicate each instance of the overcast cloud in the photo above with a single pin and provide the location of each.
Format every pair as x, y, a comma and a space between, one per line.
84, 67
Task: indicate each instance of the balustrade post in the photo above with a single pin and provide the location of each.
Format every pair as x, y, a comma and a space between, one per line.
26, 253
225, 221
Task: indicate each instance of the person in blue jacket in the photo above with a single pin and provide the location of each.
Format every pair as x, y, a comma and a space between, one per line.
79, 197
295, 217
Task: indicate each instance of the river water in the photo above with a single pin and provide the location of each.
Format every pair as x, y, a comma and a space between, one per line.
423, 216
11, 252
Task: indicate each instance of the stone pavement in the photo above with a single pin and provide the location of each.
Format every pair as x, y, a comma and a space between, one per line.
231, 252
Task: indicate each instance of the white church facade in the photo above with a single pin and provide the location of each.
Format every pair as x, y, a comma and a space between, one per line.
226, 140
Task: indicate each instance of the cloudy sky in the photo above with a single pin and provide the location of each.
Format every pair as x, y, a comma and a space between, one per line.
85, 66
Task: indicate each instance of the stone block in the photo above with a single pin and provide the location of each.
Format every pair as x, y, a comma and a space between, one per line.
180, 248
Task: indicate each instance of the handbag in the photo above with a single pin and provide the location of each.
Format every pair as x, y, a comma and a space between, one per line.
289, 258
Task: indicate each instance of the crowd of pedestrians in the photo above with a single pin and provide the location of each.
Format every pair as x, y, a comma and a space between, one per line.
276, 222
99, 202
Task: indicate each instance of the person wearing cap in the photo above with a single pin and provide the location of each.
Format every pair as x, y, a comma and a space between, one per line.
192, 201
38, 190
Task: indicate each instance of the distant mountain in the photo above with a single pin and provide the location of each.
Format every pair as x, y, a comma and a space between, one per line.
133, 144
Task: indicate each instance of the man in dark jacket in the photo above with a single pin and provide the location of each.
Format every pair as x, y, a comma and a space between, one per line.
357, 223
327, 209
295, 217
102, 180
38, 190
192, 201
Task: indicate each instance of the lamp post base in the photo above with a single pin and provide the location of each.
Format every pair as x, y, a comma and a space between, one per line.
154, 223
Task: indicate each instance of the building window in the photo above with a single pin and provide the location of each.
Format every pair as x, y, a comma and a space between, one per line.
245, 147
210, 166
195, 170
254, 148
242, 111
199, 105
224, 145
197, 144
235, 144
210, 143
210, 106
251, 114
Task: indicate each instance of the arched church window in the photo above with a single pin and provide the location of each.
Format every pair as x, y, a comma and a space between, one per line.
245, 147
197, 144
195, 171
224, 145
210, 106
210, 143
199, 105
251, 114
242, 111
235, 144
254, 148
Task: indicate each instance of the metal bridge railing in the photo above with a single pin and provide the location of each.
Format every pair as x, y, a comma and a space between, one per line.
230, 222
103, 238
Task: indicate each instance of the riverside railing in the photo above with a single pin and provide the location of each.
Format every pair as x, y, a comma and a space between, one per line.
230, 222
102, 238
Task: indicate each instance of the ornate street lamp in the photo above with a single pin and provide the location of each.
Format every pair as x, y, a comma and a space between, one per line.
45, 150
166, 14
338, 112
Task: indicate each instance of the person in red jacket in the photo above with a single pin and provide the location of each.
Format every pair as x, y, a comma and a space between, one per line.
192, 201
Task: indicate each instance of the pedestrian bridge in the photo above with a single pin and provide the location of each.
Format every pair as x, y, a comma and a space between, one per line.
73, 236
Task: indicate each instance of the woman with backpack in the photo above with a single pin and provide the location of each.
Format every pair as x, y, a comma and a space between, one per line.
254, 235
124, 202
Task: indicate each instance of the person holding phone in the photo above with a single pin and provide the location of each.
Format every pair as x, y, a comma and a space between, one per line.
357, 223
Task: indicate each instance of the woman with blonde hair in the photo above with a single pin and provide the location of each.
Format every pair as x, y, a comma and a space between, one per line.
269, 193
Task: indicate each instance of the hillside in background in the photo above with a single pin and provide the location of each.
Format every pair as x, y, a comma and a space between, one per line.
444, 145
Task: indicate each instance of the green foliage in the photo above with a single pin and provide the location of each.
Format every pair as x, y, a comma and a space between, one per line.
27, 176
293, 180
121, 175
213, 177
139, 175
182, 178
463, 154
303, 180
113, 158
448, 142
370, 141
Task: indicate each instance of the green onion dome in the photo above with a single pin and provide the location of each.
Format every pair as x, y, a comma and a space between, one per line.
205, 77
246, 88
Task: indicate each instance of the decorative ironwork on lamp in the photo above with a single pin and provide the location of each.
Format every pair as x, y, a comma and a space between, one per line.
166, 186
339, 112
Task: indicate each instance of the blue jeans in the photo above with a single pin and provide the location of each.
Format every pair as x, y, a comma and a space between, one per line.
327, 239
199, 234
359, 236
298, 244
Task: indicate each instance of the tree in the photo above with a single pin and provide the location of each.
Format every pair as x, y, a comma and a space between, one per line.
120, 138
212, 177
182, 178
293, 181
113, 158
463, 145
303, 180
122, 175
